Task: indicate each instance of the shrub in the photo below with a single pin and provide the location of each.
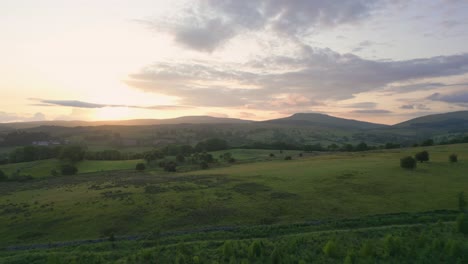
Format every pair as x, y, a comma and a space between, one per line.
462, 224
392, 245
453, 158
287, 158
408, 162
68, 169
422, 156
140, 167
255, 249
367, 250
330, 249
272, 155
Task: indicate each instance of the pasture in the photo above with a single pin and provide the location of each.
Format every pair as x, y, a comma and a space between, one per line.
43, 168
335, 186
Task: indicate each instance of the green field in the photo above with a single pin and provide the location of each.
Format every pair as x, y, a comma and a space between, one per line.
274, 192
43, 168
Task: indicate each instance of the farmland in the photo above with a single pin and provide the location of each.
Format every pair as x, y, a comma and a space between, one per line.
277, 192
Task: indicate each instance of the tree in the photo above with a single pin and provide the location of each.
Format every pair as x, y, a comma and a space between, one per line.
140, 167
361, 147
422, 156
72, 153
3, 176
408, 162
453, 158
68, 169
170, 166
212, 144
427, 142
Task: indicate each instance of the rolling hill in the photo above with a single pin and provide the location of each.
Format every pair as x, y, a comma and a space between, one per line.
322, 120
131, 122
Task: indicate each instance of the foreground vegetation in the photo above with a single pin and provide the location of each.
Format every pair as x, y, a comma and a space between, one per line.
334, 186
427, 242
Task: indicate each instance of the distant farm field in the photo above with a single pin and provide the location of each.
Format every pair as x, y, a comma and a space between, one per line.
343, 185
43, 168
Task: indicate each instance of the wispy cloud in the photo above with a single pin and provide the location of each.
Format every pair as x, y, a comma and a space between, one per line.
208, 24
81, 104
457, 97
311, 76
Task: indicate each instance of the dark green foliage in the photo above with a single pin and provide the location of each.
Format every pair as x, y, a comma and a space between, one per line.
330, 249
272, 155
170, 166
180, 158
288, 158
140, 167
32, 153
277, 256
453, 158
392, 146
315, 147
21, 138
361, 147
367, 250
153, 155
408, 162
422, 156
3, 176
68, 169
72, 153
228, 249
462, 223
392, 245
461, 202
111, 154
256, 249
212, 144
427, 142
204, 165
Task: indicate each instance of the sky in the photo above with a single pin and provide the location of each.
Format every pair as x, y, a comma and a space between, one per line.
381, 61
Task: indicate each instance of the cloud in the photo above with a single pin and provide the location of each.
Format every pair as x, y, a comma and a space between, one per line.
312, 75
81, 104
370, 105
216, 114
371, 111
13, 117
210, 23
247, 115
457, 97
415, 106
362, 45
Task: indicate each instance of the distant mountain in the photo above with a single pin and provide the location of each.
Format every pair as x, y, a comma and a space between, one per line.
325, 121
132, 122
446, 121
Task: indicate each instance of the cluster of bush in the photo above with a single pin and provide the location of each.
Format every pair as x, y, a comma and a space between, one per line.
409, 162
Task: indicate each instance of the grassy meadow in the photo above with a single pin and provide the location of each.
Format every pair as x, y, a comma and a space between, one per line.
43, 168
335, 186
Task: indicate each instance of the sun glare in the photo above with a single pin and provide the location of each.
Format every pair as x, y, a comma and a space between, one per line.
113, 113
